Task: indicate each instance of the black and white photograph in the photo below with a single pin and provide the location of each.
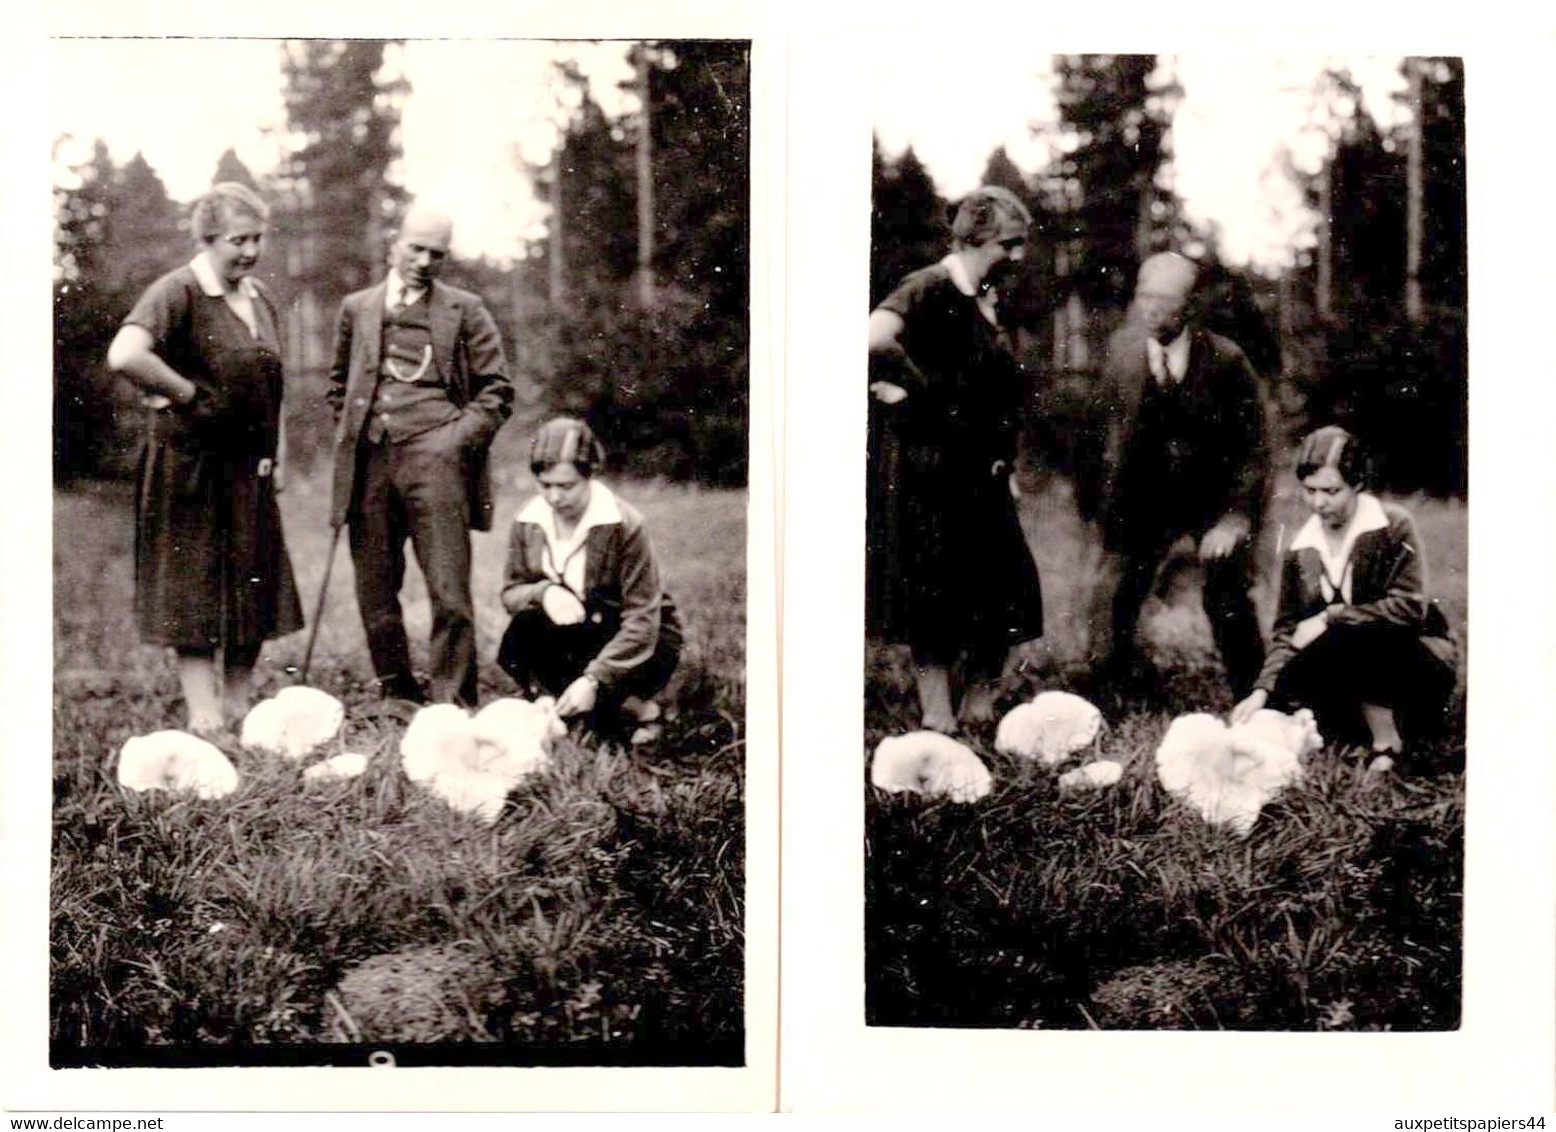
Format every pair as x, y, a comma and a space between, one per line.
1166, 571
401, 451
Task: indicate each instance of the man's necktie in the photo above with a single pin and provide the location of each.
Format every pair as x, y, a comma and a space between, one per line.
1156, 355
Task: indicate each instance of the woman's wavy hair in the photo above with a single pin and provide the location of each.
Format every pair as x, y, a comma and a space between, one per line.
978, 217
566, 440
1334, 447
226, 202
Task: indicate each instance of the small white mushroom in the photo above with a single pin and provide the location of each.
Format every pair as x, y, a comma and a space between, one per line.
1054, 726
176, 760
1092, 776
927, 762
344, 766
293, 722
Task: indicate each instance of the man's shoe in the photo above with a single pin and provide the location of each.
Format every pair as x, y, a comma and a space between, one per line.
405, 688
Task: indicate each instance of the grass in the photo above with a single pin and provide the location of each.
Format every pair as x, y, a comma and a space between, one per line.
599, 921
1121, 909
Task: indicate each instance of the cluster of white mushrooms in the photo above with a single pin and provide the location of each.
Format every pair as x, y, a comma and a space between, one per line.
1225, 774
470, 762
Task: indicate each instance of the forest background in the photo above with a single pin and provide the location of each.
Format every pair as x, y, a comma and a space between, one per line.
642, 255
1362, 325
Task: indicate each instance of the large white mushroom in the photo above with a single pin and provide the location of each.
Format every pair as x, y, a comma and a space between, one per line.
472, 764
927, 762
176, 760
474, 792
517, 734
293, 722
439, 737
1054, 726
1227, 773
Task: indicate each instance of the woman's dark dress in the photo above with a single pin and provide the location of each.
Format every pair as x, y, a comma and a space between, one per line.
210, 564
947, 568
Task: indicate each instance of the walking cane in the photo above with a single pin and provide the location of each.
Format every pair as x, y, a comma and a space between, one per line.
318, 606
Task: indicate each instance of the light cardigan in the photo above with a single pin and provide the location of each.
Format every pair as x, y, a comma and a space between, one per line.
1378, 576
608, 565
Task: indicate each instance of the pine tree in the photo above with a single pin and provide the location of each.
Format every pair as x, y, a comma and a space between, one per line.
338, 199
1105, 185
665, 383
701, 114
1002, 171
1444, 252
230, 167
116, 231
909, 226
83, 417
144, 236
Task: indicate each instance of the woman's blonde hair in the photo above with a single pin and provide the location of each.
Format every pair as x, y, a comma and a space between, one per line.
226, 202
979, 217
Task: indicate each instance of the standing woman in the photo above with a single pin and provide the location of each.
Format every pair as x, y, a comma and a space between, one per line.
948, 571
212, 579
1356, 638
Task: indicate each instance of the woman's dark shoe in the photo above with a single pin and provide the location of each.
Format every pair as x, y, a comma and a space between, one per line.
647, 735
649, 719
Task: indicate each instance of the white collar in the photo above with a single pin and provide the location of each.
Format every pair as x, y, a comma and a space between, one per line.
1176, 353
1368, 516
211, 284
987, 297
959, 276
396, 287
601, 511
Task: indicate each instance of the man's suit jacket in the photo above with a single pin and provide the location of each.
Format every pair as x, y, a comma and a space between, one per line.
467, 351
1230, 438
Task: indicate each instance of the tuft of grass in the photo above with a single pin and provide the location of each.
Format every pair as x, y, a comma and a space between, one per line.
598, 921
1120, 909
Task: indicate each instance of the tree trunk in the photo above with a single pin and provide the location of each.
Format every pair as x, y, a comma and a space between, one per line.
556, 271
645, 158
1413, 195
1143, 223
1322, 300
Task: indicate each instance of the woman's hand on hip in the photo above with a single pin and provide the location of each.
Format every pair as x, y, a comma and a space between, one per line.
1222, 540
578, 697
562, 606
887, 392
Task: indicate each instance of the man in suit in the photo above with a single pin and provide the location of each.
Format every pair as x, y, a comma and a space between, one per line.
1187, 453
419, 386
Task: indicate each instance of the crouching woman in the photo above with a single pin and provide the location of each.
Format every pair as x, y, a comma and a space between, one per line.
591, 623
1356, 638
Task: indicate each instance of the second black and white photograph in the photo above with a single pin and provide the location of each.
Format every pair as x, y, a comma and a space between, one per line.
1167, 545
